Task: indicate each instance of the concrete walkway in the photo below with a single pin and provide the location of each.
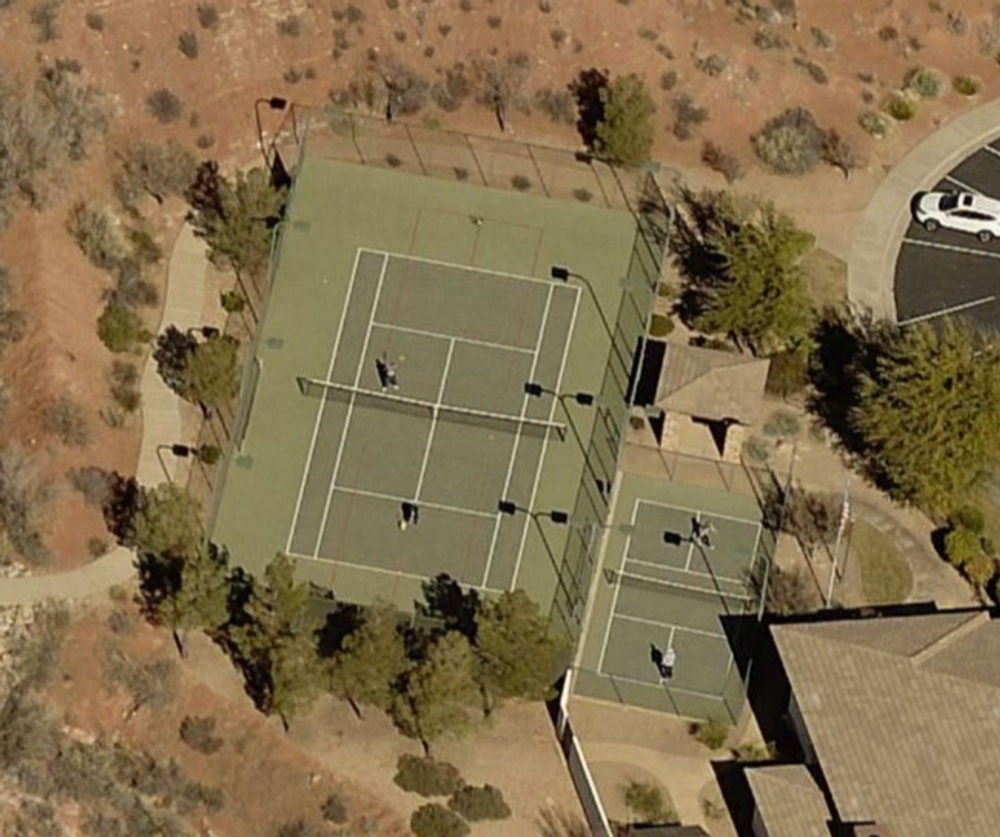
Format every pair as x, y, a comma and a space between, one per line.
161, 424
871, 267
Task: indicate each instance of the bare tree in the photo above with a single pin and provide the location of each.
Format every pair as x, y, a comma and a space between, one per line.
499, 83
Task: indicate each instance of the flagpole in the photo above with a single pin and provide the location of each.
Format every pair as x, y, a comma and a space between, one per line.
845, 516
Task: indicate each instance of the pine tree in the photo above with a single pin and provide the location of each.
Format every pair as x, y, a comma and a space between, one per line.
167, 522
439, 692
367, 668
624, 132
517, 657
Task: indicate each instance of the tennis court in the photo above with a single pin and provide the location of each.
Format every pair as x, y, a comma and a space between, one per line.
676, 569
453, 437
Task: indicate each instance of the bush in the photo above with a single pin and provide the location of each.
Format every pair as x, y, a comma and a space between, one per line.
95, 21
979, 569
686, 114
187, 43
334, 810
94, 232
788, 373
900, 107
64, 419
93, 483
475, 804
961, 546
966, 85
661, 326
45, 15
232, 302
927, 83
435, 820
789, 592
209, 454
199, 734
782, 424
649, 803
876, 124
721, 161
968, 517
290, 26
790, 143
208, 15
120, 328
520, 183
558, 105
712, 733
164, 105
427, 777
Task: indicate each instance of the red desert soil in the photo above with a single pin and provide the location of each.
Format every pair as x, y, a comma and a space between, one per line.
245, 58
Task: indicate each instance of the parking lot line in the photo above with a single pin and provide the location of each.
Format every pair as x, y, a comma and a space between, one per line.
971, 251
943, 312
965, 186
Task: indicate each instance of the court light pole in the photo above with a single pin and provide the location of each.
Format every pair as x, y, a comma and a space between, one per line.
537, 390
207, 332
274, 103
562, 518
177, 450
561, 273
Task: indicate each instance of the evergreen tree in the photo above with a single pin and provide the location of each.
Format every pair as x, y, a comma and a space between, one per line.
367, 668
926, 413
167, 522
517, 657
276, 643
624, 132
439, 692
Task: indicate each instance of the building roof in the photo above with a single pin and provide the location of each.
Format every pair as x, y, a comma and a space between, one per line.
789, 801
901, 712
711, 384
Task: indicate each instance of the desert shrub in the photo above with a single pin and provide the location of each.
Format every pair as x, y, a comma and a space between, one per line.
649, 803
957, 24
839, 153
668, 80
290, 26
811, 516
721, 161
205, 141
790, 591
63, 418
97, 547
199, 734
131, 287
427, 777
209, 454
583, 195
966, 85
979, 569
125, 385
120, 328
812, 69
232, 302
927, 83
435, 820
558, 105
968, 517
712, 733
765, 40
520, 183
158, 170
782, 425
144, 247
790, 143
24, 493
822, 39
494, 21
788, 373
449, 93
95, 234
900, 107
45, 16
876, 124
686, 115
150, 683
334, 810
164, 105
94, 21
754, 752
93, 483
961, 545
187, 43
476, 804
208, 15
69, 65
713, 65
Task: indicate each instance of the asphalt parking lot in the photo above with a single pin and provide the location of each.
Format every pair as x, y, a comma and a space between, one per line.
948, 272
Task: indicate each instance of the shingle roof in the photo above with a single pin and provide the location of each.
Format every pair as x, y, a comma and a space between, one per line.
789, 801
902, 713
711, 384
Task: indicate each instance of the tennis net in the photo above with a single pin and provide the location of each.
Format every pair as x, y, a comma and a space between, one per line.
429, 409
715, 593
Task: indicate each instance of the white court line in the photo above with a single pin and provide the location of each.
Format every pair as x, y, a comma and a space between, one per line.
687, 558
434, 423
471, 268
657, 685
954, 248
614, 598
367, 567
350, 411
697, 573
965, 186
361, 492
686, 510
545, 440
943, 312
439, 336
322, 403
670, 625
525, 400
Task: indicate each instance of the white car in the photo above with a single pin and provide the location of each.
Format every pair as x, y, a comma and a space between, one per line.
962, 211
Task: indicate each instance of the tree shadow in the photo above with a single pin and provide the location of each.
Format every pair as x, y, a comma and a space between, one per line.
586, 89
122, 503
449, 607
339, 623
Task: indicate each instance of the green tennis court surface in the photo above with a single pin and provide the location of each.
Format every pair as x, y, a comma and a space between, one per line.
681, 571
450, 284
455, 436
